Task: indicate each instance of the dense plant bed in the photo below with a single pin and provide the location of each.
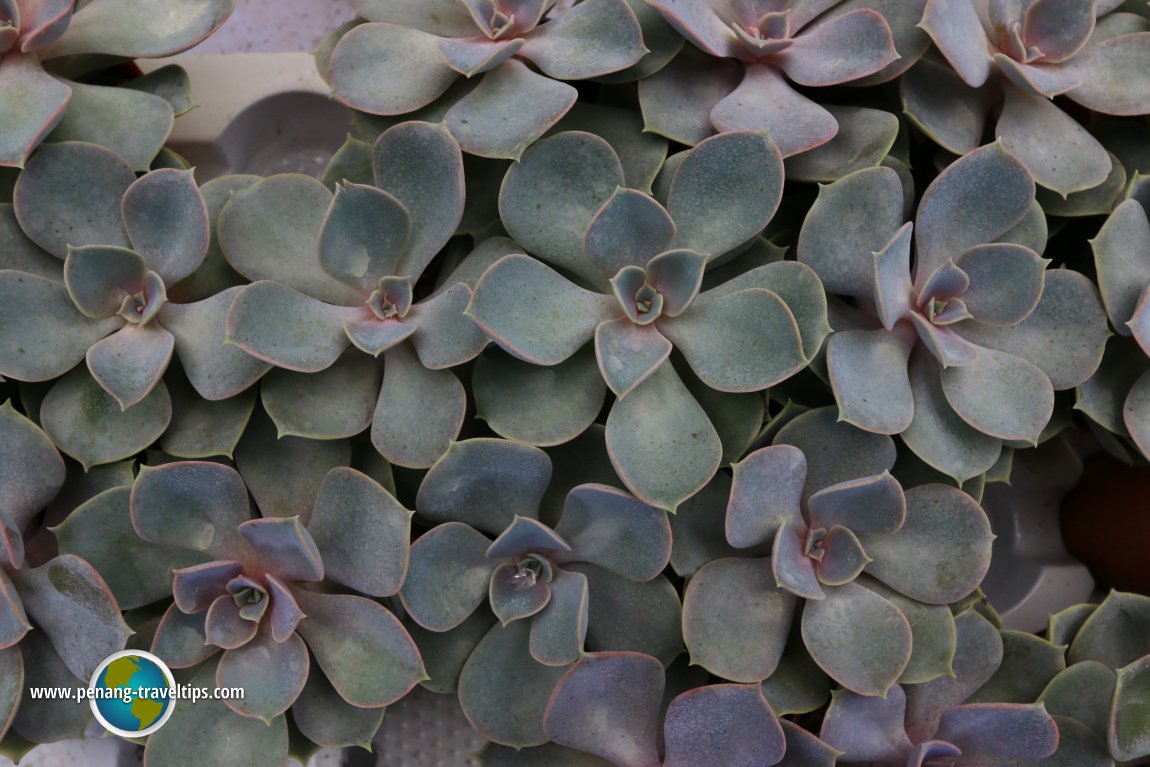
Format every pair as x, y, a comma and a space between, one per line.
633, 372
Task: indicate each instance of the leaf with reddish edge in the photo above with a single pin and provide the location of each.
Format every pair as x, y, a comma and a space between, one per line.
509, 602
285, 613
476, 56
445, 336
526, 536
272, 675
331, 404
374, 336
700, 23
1105, 69
363, 533
861, 42
419, 411
166, 218
975, 200
1001, 395
11, 686
957, 31
868, 728
195, 588
628, 354
765, 494
365, 234
45, 720
936, 100
629, 230
1116, 633
503, 691
100, 277
1119, 258
868, 372
56, 213
1045, 81
13, 620
112, 28
793, 569
997, 731
736, 620
289, 329
1058, 28
653, 608
677, 275
558, 632
990, 267
69, 601
448, 576
835, 451
607, 705
130, 363
180, 640
535, 313
31, 469
216, 370
804, 749
1083, 692
844, 558
860, 639
485, 483
731, 723
444, 653
615, 531
509, 109
35, 103
224, 626
328, 720
765, 102
873, 504
284, 547
725, 191
1134, 413
677, 101
371, 69
589, 40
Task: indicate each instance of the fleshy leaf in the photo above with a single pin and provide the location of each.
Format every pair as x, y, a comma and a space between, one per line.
868, 371
1130, 712
333, 403
39, 99
558, 633
736, 620
629, 230
957, 31
793, 569
591, 39
652, 607
271, 673
31, 470
508, 602
609, 528
111, 27
607, 704
861, 40
835, 451
766, 493
1082, 692
628, 354
129, 363
525, 536
1000, 731
1119, 257
871, 505
180, 640
445, 336
371, 69
1104, 67
328, 720
419, 411
1116, 634
1001, 395
364, 236
869, 728
284, 327
448, 576
284, 547
195, 588
167, 222
993, 267
678, 99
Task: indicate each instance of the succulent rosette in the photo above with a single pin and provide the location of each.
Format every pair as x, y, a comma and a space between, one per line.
1015, 57
644, 264
760, 48
133, 121
861, 554
353, 260
965, 349
519, 51
552, 589
263, 594
44, 601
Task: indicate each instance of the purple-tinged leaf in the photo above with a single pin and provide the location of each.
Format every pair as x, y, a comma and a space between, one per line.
331, 404
167, 222
375, 336
873, 504
868, 373
328, 720
225, 626
805, 750
607, 705
365, 234
677, 275
446, 18
975, 200
195, 588
558, 633
527, 536
735, 620
1136, 413
494, 755
839, 234
445, 336
387, 69
129, 363
831, 628
100, 278
31, 470
56, 212
991, 269
731, 723
361, 647
286, 328
503, 691
835, 451
661, 442
485, 483
419, 411
447, 577
180, 640
725, 192
843, 557
132, 123
13, 620
36, 102
1105, 69
1059, 153
1001, 395
628, 354
43, 720
444, 653
701, 24
285, 611
629, 230
867, 728
272, 675
944, 107
112, 28
1129, 730
613, 530
1120, 250
792, 567
1038, 80
192, 505
534, 312
948, 347
362, 531
470, 57
893, 291
510, 108
284, 548
1058, 28
575, 173
653, 609
995, 731
861, 42
86, 423
677, 101
68, 600
509, 601
593, 38
766, 493
957, 31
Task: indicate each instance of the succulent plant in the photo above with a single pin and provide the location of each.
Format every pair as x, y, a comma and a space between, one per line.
512, 104
645, 264
1021, 54
256, 597
33, 32
943, 353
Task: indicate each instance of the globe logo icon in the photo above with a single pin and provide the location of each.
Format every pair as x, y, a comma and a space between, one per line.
131, 693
